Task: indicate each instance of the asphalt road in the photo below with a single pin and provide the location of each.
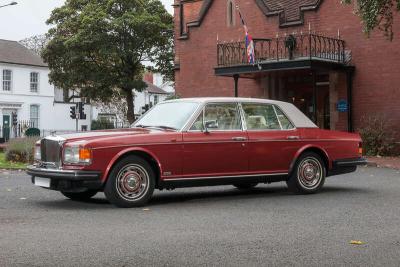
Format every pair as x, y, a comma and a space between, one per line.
211, 226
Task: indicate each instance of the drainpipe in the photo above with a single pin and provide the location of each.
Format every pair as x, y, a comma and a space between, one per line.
349, 80
236, 78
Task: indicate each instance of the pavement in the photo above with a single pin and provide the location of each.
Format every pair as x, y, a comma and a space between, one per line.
209, 226
384, 162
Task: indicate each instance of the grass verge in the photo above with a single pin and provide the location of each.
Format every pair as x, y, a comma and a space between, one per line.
4, 164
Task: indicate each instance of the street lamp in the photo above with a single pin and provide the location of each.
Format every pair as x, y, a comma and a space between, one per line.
10, 4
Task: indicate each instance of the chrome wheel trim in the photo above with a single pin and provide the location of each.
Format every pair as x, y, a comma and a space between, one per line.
132, 182
310, 173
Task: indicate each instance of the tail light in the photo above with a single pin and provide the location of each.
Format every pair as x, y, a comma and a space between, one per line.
360, 149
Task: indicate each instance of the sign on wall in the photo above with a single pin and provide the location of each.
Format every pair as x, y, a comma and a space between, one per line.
342, 105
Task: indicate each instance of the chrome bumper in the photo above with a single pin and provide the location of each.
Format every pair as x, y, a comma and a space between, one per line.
59, 174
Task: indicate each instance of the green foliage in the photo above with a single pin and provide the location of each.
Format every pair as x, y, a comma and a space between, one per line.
377, 136
21, 149
30, 132
101, 124
99, 46
377, 14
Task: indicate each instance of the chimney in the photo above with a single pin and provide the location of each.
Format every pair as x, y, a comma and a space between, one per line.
148, 77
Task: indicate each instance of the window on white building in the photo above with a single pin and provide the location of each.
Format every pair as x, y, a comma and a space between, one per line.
7, 79
35, 115
34, 82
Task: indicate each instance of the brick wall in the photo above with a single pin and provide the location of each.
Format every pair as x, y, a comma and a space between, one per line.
376, 87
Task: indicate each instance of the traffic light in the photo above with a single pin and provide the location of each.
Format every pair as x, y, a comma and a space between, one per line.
72, 111
14, 118
81, 110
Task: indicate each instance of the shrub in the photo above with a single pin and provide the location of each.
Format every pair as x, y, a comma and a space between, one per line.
21, 149
102, 124
378, 137
30, 132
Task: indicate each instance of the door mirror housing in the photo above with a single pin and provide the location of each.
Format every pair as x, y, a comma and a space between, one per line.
211, 124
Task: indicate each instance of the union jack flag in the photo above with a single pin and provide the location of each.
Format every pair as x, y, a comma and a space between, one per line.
248, 41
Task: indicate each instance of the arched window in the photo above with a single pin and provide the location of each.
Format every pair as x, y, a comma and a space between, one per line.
230, 13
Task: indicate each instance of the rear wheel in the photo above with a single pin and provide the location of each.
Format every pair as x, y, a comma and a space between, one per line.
80, 196
131, 183
245, 186
308, 175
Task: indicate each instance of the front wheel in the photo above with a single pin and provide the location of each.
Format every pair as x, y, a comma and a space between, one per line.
131, 183
80, 196
308, 175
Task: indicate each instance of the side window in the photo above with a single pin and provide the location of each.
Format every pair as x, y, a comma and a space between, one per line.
225, 116
198, 123
285, 122
260, 117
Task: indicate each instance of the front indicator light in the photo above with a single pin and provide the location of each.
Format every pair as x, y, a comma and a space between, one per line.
85, 155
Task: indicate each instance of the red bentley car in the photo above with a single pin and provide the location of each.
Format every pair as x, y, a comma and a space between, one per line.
196, 142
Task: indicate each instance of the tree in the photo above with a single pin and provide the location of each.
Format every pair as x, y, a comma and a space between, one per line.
35, 43
98, 46
377, 14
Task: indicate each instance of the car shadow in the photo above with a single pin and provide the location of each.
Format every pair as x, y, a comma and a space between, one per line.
235, 194
215, 194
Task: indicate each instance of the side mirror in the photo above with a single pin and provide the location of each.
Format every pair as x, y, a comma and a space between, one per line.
211, 124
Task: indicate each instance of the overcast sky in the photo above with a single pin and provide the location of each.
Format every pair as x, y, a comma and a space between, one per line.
28, 17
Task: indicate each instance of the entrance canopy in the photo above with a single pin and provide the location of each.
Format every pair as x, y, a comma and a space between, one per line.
303, 51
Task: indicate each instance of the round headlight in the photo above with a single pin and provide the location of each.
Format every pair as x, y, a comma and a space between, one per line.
37, 155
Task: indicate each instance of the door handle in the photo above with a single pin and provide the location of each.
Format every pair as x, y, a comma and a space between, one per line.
239, 138
293, 137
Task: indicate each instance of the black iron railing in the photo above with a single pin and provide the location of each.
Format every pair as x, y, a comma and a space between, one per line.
290, 47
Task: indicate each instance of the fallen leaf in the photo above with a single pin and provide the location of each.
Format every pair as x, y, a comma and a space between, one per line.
146, 209
22, 198
8, 190
357, 242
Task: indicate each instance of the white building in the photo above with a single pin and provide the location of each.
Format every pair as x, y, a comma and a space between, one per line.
25, 91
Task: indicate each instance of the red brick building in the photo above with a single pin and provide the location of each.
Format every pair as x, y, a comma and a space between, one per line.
309, 52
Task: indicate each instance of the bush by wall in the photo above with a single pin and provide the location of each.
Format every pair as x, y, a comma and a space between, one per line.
378, 137
102, 124
21, 149
30, 132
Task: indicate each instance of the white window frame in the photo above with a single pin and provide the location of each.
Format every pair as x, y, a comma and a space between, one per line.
34, 83
38, 114
10, 80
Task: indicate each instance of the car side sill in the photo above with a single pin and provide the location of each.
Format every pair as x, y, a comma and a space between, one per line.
221, 180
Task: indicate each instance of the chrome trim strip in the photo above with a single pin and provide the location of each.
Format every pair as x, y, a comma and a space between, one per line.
227, 141
225, 177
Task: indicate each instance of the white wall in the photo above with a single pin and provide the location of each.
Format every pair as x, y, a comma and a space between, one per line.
52, 116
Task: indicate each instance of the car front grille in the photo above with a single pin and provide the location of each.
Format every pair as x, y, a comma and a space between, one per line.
50, 153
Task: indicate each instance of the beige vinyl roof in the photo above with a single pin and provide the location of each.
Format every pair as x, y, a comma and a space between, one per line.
295, 115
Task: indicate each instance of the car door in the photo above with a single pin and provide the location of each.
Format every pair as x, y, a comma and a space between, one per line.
219, 149
273, 140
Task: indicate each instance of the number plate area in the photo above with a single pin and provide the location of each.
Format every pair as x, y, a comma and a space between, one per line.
42, 182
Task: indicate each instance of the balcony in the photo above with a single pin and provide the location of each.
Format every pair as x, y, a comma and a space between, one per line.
291, 51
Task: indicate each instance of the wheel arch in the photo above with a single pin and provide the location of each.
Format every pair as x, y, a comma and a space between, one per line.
312, 148
140, 152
